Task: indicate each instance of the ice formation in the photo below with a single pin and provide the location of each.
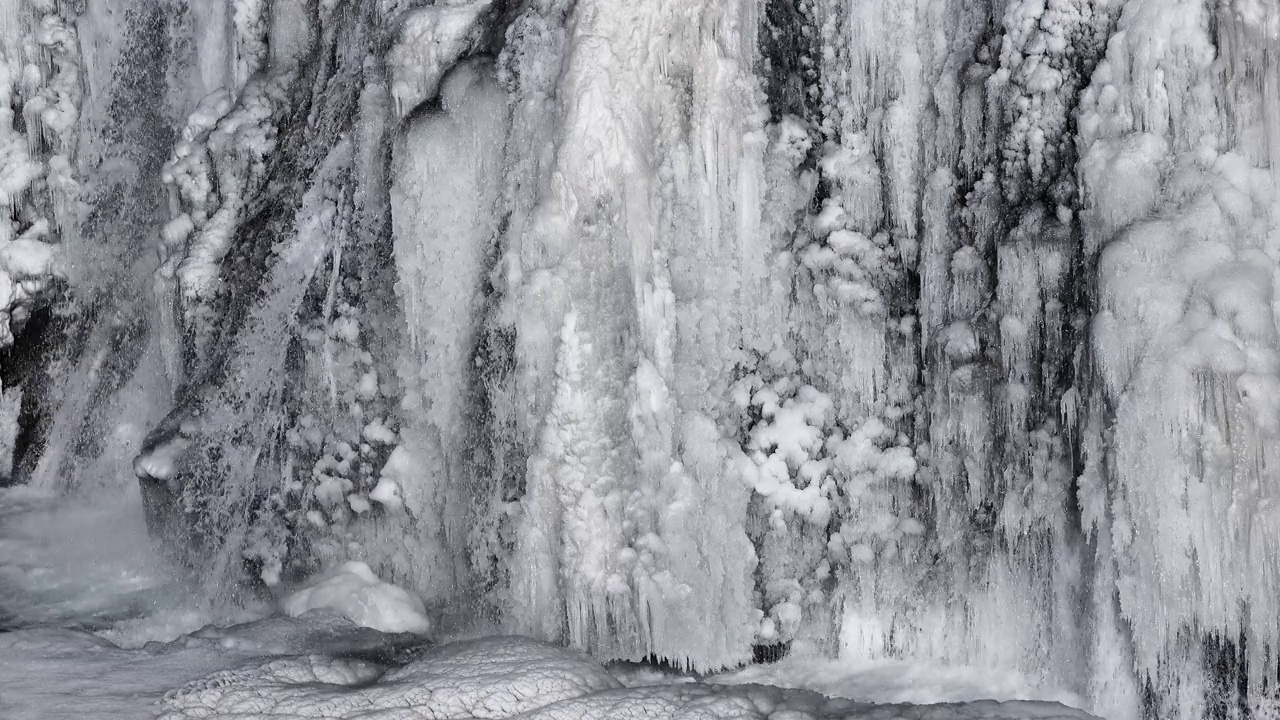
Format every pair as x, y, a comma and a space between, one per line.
353, 591
512, 677
39, 93
924, 330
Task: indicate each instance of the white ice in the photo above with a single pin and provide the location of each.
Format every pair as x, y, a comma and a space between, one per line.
723, 414
353, 591
290, 669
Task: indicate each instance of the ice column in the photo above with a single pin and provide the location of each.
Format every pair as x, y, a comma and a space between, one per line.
446, 185
630, 277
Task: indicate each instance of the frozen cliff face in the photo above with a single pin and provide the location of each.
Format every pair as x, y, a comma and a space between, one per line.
683, 329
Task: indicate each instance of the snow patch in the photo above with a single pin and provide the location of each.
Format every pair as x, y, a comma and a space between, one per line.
353, 591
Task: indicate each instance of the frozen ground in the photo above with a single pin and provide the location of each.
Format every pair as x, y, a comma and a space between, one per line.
95, 627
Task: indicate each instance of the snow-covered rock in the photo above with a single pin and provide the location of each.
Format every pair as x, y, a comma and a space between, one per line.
353, 591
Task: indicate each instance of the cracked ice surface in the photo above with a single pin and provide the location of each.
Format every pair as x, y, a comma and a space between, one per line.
508, 677
64, 673
490, 678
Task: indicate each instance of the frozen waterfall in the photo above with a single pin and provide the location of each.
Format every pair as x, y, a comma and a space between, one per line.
687, 331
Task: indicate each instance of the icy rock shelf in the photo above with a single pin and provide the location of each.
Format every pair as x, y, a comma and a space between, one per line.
934, 331
106, 635
369, 675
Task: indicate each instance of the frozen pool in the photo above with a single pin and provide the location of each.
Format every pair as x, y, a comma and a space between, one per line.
95, 625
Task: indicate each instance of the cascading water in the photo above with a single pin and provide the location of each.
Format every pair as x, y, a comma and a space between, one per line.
695, 331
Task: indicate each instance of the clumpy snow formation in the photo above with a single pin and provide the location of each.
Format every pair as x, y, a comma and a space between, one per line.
355, 593
28, 271
39, 97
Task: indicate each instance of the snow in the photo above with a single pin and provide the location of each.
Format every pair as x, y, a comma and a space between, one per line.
353, 591
444, 217
378, 432
398, 465
239, 145
28, 255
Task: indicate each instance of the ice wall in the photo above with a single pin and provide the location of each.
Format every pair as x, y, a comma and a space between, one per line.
1179, 174
620, 332
938, 329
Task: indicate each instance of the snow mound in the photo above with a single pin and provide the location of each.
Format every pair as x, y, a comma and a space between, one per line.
509, 676
499, 677
355, 592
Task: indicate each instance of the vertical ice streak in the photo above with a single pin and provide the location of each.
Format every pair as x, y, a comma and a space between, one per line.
445, 189
621, 346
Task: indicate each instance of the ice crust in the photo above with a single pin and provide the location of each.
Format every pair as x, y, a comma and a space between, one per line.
507, 677
353, 591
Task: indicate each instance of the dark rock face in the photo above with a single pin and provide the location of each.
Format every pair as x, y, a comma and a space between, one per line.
313, 107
